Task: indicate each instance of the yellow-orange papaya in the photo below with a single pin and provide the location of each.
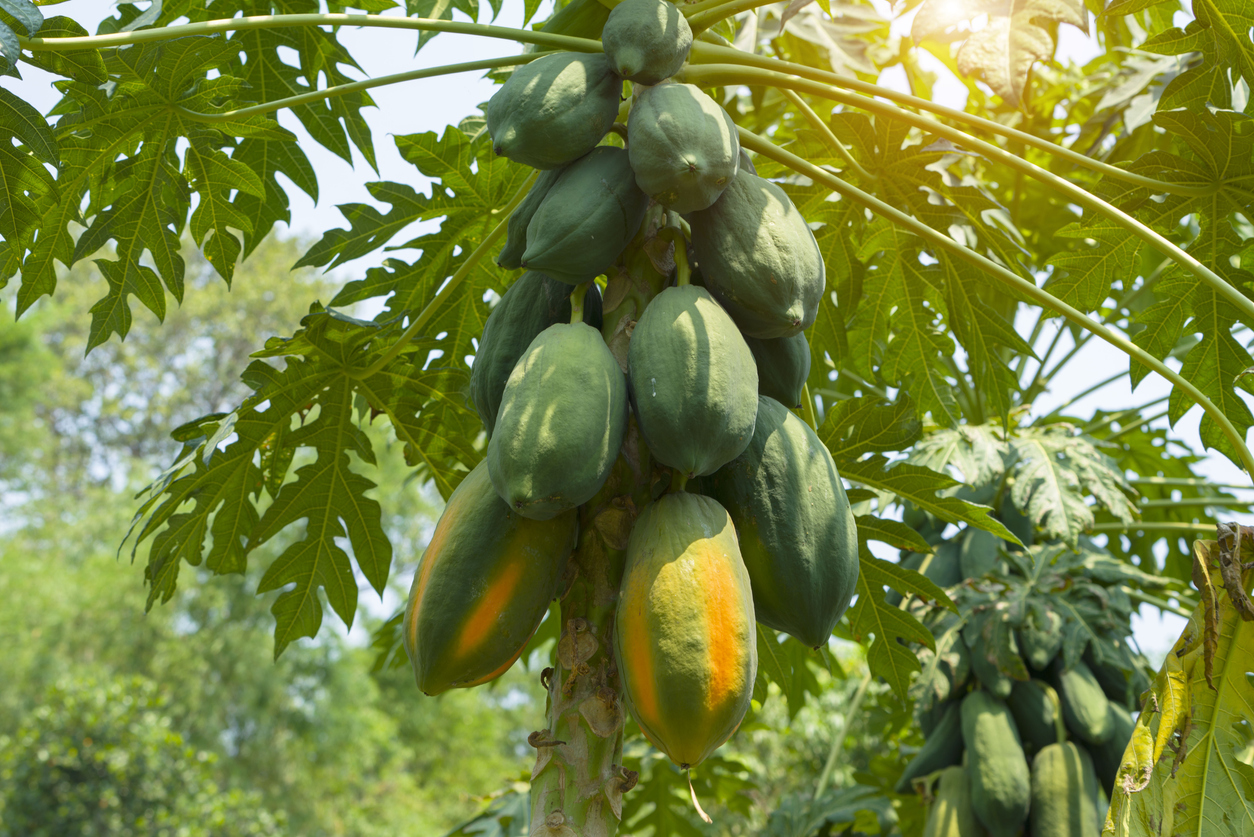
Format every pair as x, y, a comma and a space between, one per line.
684, 636
482, 586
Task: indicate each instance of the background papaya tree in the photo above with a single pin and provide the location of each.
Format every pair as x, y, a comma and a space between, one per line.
1113, 196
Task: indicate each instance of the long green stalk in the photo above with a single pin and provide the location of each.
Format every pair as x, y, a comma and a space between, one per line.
706, 53
1186, 482
1073, 399
240, 24
1153, 526
826, 131
1043, 298
838, 737
1195, 502
354, 86
721, 74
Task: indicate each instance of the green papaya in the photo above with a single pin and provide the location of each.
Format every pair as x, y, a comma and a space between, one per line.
646, 41
586, 218
683, 146
746, 163
1034, 706
684, 636
796, 531
1040, 637
1001, 787
978, 553
579, 19
1108, 755
1064, 793
783, 367
930, 716
759, 258
942, 748
511, 253
985, 669
530, 305
952, 814
554, 110
694, 385
561, 423
1085, 708
1115, 682
482, 586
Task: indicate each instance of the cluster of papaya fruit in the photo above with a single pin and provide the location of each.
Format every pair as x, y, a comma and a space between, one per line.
754, 524
1030, 725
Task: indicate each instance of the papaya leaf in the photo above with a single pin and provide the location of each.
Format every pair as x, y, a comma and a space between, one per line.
507, 815
861, 808
892, 532
1210, 764
861, 425
786, 662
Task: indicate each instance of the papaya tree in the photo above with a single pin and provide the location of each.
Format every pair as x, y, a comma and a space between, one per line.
753, 272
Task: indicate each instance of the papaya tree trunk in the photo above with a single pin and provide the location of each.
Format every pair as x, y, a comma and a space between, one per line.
578, 781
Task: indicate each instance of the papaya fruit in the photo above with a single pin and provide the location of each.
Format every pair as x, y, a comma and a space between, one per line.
561, 423
783, 367
1034, 705
511, 253
1001, 787
1108, 755
942, 748
694, 385
586, 219
1115, 682
1064, 793
985, 669
684, 636
683, 146
579, 19
977, 553
952, 814
482, 587
759, 258
1085, 708
1040, 637
746, 163
796, 530
646, 41
930, 716
530, 305
554, 110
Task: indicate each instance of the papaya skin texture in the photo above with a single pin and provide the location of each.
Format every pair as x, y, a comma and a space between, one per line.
1035, 714
1001, 788
943, 748
511, 253
951, 814
561, 423
1085, 708
684, 635
646, 41
797, 534
554, 110
1108, 755
586, 219
1064, 793
783, 367
530, 305
759, 259
683, 146
482, 587
693, 382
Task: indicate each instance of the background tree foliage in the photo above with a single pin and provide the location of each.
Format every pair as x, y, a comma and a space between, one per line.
1117, 193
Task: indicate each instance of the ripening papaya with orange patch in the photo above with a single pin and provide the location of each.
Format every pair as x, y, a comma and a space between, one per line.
482, 587
684, 635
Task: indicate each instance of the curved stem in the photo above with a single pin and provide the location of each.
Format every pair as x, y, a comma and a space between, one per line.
576, 301
826, 130
807, 407
711, 54
1040, 296
1159, 526
1094, 426
239, 24
708, 75
1124, 431
352, 87
451, 285
1160, 603
838, 737
703, 20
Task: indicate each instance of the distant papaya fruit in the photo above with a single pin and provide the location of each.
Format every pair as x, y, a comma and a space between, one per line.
684, 636
646, 41
482, 587
554, 110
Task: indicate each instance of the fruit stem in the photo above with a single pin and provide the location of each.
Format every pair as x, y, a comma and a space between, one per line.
620, 129
1029, 289
576, 301
679, 480
807, 407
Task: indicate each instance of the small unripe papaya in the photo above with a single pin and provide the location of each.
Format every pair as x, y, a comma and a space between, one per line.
683, 146
759, 258
515, 245
554, 110
1001, 785
561, 423
646, 41
951, 814
1084, 705
1064, 793
586, 218
783, 367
